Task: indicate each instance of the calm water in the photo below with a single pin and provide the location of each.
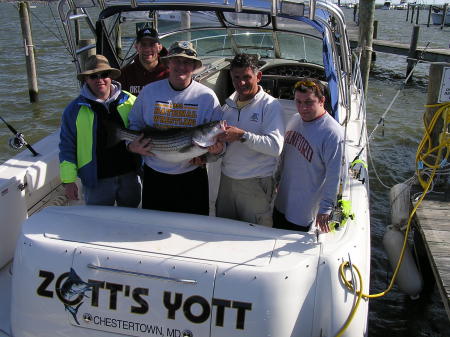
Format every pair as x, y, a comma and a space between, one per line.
393, 154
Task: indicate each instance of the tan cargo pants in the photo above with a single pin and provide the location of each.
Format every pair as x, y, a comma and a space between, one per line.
249, 200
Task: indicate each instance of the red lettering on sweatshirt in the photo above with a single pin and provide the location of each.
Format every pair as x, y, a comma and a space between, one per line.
300, 143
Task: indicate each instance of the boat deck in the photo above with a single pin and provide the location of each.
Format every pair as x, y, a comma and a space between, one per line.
433, 218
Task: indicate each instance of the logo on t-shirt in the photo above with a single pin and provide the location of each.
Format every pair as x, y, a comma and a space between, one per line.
135, 89
170, 114
298, 141
254, 117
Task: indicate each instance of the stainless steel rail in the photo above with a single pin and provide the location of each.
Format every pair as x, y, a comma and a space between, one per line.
152, 276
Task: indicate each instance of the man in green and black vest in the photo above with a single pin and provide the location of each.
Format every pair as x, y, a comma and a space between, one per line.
108, 173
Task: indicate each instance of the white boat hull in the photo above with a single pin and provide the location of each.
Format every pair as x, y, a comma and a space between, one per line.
229, 276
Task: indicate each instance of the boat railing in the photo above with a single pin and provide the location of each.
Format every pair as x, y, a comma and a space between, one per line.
359, 87
69, 12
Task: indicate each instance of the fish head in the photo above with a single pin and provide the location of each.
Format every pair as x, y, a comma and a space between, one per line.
206, 134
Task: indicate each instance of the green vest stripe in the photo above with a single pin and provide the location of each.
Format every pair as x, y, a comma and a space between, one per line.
125, 108
85, 141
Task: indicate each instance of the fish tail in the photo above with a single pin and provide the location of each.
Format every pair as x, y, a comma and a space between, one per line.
117, 133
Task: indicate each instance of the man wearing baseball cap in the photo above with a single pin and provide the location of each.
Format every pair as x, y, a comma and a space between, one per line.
108, 173
146, 66
177, 101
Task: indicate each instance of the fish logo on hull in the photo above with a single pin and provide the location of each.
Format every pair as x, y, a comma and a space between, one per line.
72, 292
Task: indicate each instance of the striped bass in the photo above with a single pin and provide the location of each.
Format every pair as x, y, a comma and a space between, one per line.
176, 144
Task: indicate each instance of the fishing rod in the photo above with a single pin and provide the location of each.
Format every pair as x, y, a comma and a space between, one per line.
18, 141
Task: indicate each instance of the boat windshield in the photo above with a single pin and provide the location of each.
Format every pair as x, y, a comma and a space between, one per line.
228, 34
221, 42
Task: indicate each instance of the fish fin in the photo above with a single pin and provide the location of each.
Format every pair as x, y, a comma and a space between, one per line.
74, 276
78, 307
73, 311
203, 144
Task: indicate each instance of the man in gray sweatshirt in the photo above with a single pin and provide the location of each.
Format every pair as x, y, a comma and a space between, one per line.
310, 164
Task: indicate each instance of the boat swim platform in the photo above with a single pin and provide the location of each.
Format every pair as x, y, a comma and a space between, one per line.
389, 47
433, 224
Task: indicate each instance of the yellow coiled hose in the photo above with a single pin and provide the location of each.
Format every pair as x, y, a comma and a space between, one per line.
421, 156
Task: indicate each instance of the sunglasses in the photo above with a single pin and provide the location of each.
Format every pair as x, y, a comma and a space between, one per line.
308, 84
102, 75
179, 50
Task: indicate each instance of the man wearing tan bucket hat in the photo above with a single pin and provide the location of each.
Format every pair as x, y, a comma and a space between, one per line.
177, 101
108, 173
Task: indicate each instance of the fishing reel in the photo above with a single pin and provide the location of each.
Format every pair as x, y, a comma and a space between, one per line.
17, 142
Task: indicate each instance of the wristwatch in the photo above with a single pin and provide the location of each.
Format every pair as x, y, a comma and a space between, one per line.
244, 137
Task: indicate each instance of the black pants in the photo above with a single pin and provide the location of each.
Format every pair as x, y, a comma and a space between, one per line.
280, 222
187, 192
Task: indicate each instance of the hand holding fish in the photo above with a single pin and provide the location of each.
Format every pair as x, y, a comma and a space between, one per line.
232, 134
216, 148
198, 161
141, 146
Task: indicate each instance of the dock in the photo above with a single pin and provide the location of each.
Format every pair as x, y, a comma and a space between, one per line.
403, 49
433, 223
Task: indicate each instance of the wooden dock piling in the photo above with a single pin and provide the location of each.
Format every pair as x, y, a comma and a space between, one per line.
92, 51
355, 13
444, 13
412, 50
434, 85
77, 28
430, 8
186, 24
119, 41
366, 15
375, 36
33, 90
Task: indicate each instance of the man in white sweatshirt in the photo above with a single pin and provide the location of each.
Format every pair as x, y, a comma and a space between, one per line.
254, 139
